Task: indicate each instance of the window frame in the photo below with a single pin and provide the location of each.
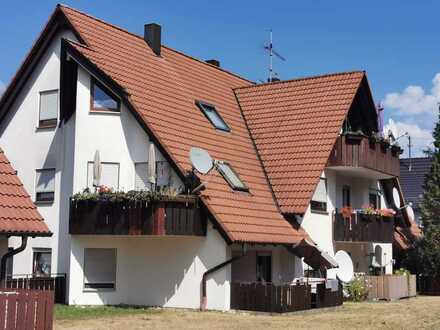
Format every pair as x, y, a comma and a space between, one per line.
48, 123
103, 163
47, 201
317, 206
99, 286
157, 175
245, 188
34, 253
201, 105
106, 90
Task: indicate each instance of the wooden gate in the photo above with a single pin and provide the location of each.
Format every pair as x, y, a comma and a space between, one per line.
26, 309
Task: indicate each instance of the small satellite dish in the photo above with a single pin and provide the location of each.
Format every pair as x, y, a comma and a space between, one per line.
345, 271
410, 212
379, 260
201, 160
396, 197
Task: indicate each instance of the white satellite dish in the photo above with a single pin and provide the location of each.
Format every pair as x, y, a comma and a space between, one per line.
345, 271
378, 260
410, 213
396, 197
201, 160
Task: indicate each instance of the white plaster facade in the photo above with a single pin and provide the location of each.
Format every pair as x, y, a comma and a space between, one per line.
320, 225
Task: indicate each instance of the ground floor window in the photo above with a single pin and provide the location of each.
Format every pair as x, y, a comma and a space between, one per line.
264, 267
99, 268
42, 262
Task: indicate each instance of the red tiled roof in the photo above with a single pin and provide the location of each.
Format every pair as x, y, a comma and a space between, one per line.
163, 91
18, 215
295, 125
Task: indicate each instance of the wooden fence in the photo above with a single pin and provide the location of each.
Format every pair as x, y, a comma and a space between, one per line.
391, 287
26, 309
270, 297
429, 285
54, 282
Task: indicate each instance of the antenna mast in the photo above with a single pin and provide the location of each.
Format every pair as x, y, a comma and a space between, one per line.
272, 53
270, 56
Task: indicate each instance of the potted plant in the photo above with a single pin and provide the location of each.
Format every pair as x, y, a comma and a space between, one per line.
354, 136
374, 139
368, 213
386, 214
385, 143
396, 150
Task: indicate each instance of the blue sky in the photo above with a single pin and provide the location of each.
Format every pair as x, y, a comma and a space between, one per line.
396, 42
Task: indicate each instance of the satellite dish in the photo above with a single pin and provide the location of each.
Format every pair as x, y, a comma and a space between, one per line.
396, 197
379, 260
345, 270
201, 160
410, 213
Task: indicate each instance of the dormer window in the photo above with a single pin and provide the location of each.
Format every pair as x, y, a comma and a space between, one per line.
213, 116
102, 99
231, 176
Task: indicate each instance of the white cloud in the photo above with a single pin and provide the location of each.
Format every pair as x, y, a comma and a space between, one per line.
414, 99
421, 138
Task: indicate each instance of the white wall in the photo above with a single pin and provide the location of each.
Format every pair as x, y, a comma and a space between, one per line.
118, 137
29, 148
320, 225
156, 271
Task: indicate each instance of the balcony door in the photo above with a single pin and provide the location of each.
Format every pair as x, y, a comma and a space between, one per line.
264, 267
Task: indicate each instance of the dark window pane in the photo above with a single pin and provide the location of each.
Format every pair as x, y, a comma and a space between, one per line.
42, 263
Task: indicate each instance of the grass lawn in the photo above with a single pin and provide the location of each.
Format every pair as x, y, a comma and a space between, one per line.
415, 313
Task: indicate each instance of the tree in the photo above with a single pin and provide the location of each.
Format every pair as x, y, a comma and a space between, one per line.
430, 206
425, 257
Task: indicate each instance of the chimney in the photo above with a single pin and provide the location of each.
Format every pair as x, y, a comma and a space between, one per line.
214, 62
152, 35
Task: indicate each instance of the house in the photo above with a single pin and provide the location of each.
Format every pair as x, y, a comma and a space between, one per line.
412, 178
19, 218
290, 156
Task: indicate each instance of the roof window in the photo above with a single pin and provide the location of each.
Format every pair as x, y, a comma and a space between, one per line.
231, 176
213, 116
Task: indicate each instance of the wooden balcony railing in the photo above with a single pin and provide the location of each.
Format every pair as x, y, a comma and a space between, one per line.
363, 228
181, 215
359, 151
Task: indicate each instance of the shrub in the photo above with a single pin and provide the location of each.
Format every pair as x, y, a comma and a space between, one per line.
357, 290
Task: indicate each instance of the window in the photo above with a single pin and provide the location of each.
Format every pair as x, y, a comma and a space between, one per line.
213, 116
346, 196
163, 173
99, 268
48, 109
102, 99
45, 185
109, 175
42, 261
319, 199
231, 176
264, 267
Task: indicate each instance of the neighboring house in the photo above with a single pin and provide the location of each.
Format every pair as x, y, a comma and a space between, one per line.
19, 218
274, 203
412, 179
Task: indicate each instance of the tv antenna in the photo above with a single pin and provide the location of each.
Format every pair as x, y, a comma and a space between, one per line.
272, 52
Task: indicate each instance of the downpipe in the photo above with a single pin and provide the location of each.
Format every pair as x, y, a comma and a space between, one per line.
8, 255
204, 300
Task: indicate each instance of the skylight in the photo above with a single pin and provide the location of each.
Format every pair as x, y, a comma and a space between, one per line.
231, 176
213, 116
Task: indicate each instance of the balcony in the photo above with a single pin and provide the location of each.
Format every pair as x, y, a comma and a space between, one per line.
363, 228
180, 215
360, 152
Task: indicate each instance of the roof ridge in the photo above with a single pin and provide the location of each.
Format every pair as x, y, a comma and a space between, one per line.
165, 46
305, 78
